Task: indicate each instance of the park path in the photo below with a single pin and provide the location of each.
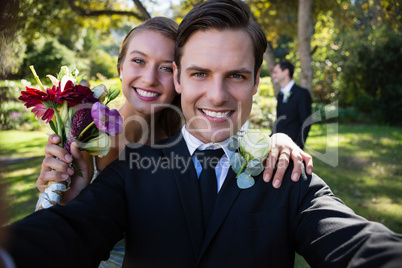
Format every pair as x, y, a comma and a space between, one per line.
9, 160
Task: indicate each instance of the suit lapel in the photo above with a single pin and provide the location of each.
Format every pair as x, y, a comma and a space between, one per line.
226, 197
187, 184
291, 92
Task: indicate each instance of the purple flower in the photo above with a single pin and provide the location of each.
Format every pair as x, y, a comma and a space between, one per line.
107, 120
82, 119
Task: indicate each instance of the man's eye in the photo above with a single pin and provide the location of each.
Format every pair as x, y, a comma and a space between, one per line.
199, 75
237, 76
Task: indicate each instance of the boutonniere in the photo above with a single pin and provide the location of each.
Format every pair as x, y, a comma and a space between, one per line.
251, 150
287, 94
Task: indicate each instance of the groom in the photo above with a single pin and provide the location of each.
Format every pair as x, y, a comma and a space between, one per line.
161, 211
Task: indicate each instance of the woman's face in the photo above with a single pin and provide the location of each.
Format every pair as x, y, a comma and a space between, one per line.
147, 72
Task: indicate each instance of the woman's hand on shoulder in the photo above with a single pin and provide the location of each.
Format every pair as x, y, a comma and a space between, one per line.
283, 148
56, 167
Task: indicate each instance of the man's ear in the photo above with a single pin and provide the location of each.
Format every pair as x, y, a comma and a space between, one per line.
176, 78
286, 71
257, 81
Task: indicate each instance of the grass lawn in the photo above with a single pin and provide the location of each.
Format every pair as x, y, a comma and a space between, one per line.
27, 151
362, 164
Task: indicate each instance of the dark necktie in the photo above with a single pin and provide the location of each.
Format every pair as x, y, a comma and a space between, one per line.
207, 181
280, 96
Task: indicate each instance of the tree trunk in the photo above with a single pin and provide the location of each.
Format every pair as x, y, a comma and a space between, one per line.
304, 33
269, 58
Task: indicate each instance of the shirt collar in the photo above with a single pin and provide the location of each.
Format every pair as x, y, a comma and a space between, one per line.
193, 143
288, 87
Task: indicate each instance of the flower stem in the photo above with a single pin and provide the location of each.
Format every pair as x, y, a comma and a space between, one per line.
241, 168
59, 129
37, 77
85, 129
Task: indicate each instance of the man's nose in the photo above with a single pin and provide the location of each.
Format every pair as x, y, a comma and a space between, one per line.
217, 92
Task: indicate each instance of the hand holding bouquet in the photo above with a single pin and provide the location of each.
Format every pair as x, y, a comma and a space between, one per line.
75, 113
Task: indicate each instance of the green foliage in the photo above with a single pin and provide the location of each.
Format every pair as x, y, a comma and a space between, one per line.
13, 114
48, 58
104, 64
373, 80
263, 113
12, 54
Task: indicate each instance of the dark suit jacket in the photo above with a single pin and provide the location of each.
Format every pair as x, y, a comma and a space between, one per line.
292, 116
159, 211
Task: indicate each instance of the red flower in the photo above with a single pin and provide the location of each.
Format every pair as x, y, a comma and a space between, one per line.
38, 99
73, 94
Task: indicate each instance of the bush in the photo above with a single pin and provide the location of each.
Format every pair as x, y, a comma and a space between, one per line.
48, 58
104, 64
13, 114
263, 113
373, 81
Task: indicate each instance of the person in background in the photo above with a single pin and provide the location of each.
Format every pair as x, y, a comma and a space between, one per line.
293, 110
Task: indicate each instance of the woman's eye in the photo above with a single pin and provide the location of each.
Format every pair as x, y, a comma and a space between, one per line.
168, 69
139, 61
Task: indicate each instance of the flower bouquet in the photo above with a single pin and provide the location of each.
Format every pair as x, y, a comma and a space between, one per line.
75, 113
252, 148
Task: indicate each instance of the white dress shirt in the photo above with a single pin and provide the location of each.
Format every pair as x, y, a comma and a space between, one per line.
223, 165
286, 90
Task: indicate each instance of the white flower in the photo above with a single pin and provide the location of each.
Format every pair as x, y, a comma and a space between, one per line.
100, 92
54, 80
99, 146
64, 81
64, 71
255, 145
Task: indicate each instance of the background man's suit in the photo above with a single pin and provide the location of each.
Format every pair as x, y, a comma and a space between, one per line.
293, 114
159, 211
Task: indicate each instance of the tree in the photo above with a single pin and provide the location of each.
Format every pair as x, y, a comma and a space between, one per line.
8, 37
292, 22
141, 14
304, 33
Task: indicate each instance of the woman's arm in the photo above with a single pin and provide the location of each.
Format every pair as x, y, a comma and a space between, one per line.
283, 148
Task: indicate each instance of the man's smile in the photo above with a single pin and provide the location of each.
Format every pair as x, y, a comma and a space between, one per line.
217, 114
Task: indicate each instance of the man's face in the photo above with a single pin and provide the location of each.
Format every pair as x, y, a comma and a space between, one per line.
216, 83
279, 76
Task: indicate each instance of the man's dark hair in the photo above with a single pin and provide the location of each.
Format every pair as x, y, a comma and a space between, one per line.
287, 65
221, 15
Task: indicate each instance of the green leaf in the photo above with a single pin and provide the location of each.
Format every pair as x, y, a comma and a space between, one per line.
79, 78
77, 169
52, 126
114, 94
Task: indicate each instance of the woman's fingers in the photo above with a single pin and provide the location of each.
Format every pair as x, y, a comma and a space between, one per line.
54, 139
270, 163
283, 163
308, 161
77, 182
53, 170
52, 150
297, 165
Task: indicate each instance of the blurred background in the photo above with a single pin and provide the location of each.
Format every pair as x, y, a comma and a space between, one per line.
349, 58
